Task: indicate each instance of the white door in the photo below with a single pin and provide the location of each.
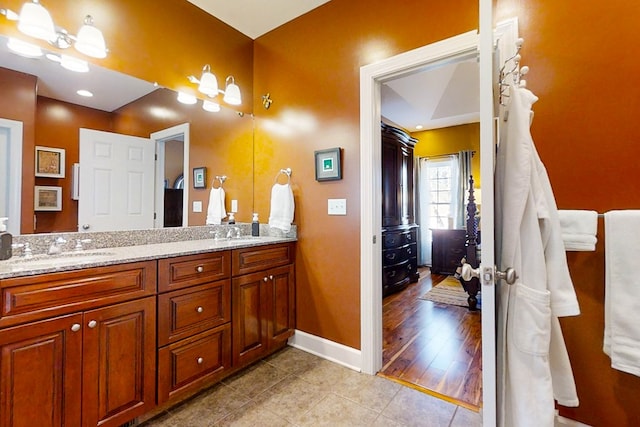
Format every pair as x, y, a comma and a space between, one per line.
11, 173
116, 182
371, 77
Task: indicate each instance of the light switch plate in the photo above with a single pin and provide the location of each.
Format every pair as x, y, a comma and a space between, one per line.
234, 205
337, 207
197, 206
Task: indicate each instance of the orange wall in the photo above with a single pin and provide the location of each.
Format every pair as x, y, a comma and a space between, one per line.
18, 102
311, 69
586, 130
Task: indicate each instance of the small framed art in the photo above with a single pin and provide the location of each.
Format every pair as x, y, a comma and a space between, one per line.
200, 177
328, 166
47, 198
49, 162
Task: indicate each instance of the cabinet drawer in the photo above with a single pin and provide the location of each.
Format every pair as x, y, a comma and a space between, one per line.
187, 311
394, 239
180, 272
394, 256
188, 364
47, 295
250, 260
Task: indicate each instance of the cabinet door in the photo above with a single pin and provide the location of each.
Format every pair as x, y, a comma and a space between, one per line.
281, 305
40, 377
390, 186
249, 317
119, 362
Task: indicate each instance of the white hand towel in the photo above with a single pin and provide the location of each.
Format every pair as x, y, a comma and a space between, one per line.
216, 211
622, 290
579, 229
282, 207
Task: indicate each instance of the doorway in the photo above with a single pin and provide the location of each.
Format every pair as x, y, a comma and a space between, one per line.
178, 179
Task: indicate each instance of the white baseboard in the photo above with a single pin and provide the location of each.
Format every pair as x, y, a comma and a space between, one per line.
330, 350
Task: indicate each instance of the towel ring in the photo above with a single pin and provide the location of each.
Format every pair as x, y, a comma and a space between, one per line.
286, 172
221, 179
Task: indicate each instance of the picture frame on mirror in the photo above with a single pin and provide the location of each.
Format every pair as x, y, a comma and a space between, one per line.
200, 177
50, 162
47, 198
328, 164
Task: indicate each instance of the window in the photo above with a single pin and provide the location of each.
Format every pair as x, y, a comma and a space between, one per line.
440, 197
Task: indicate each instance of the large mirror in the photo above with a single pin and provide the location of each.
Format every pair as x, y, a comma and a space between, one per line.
195, 146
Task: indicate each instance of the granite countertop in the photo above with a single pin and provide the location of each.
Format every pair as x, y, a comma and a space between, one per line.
67, 261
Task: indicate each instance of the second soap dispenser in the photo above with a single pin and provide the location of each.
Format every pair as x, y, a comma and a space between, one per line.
255, 225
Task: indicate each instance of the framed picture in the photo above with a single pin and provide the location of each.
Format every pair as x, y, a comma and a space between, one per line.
328, 164
48, 198
200, 177
49, 162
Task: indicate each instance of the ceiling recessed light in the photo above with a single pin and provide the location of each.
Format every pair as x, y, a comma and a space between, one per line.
86, 93
418, 127
186, 98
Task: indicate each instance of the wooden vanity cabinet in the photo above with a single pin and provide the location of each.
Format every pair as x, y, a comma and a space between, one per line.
91, 363
194, 322
263, 294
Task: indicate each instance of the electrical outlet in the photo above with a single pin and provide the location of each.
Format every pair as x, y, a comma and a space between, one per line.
337, 207
197, 206
234, 205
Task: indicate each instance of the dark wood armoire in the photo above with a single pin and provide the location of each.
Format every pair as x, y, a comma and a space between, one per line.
399, 230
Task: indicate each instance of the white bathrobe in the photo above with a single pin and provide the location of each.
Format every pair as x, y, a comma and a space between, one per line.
533, 364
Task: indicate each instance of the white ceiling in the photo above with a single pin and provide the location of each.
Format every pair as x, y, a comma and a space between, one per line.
256, 17
442, 96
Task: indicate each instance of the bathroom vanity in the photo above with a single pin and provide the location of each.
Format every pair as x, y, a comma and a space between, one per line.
106, 336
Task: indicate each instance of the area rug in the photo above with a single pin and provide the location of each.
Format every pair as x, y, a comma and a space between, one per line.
449, 291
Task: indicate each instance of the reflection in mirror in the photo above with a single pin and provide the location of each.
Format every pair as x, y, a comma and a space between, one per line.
221, 142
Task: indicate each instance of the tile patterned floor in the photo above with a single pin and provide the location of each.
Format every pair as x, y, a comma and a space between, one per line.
295, 388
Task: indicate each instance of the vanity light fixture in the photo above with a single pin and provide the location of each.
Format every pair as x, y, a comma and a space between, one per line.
24, 49
232, 92
210, 106
35, 21
186, 98
208, 84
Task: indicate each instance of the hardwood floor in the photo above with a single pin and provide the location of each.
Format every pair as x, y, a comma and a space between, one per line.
431, 346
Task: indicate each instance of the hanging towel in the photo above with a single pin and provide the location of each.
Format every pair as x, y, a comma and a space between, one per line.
282, 207
579, 229
215, 210
622, 290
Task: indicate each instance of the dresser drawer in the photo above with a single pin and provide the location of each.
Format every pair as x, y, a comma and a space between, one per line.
250, 260
188, 311
394, 256
188, 364
46, 295
394, 239
180, 272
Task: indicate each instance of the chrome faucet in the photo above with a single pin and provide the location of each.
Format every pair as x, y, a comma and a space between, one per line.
79, 243
233, 233
56, 246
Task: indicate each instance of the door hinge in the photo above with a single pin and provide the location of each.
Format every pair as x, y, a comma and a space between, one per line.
154, 215
374, 239
155, 157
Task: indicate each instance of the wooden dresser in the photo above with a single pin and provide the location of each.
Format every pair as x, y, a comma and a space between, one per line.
399, 231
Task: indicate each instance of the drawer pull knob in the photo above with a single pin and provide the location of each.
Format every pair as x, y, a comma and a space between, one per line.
75, 327
92, 324
199, 309
270, 277
199, 269
265, 278
200, 360
391, 256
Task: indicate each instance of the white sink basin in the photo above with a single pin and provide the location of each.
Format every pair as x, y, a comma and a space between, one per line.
50, 261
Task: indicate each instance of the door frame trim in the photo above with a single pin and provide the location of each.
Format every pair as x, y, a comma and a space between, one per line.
14, 198
371, 77
159, 138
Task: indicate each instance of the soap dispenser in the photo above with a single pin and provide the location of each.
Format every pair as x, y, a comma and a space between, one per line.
232, 218
255, 225
5, 240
